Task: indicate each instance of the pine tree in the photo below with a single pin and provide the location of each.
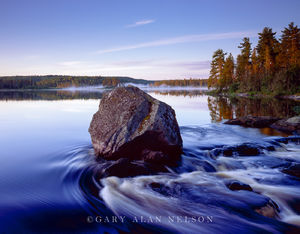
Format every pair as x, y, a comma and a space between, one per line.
267, 49
228, 73
254, 63
243, 60
272, 67
217, 66
290, 46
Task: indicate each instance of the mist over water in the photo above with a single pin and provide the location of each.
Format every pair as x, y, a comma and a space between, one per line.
49, 178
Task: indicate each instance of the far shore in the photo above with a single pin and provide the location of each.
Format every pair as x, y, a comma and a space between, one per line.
295, 97
211, 92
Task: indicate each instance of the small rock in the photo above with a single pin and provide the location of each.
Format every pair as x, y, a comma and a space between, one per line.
155, 185
165, 190
270, 210
248, 150
253, 121
237, 185
294, 120
293, 170
228, 152
286, 140
291, 125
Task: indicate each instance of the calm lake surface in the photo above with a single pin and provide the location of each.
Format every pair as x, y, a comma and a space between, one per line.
48, 176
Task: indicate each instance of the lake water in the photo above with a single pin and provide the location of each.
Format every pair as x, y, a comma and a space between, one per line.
48, 176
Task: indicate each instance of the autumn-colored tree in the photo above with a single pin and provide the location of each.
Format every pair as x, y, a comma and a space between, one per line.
254, 63
184, 82
217, 65
290, 46
243, 60
267, 49
271, 67
228, 73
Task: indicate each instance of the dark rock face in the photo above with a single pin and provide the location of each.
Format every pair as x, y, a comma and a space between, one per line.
132, 124
253, 121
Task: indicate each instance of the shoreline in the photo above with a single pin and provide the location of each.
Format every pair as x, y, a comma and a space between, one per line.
294, 97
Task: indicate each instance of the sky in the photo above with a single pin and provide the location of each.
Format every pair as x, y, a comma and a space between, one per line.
148, 39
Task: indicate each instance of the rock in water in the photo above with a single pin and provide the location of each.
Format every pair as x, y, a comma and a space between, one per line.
291, 125
253, 121
132, 124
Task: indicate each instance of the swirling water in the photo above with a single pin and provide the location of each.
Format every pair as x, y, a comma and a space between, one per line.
49, 179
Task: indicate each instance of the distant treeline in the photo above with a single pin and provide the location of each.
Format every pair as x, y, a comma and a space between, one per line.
56, 81
185, 82
272, 67
185, 93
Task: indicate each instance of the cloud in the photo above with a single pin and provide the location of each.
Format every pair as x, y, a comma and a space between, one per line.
70, 63
188, 65
134, 62
140, 23
181, 39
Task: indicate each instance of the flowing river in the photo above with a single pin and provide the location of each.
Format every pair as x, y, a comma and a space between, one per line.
49, 180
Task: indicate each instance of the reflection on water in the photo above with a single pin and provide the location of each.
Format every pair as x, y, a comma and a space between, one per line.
62, 94
50, 95
220, 107
226, 108
184, 93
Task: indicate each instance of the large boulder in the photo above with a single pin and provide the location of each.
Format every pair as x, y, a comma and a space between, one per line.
132, 124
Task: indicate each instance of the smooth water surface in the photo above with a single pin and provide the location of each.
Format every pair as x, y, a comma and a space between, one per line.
48, 171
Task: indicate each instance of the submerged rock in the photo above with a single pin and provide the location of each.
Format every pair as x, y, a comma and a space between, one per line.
293, 170
248, 149
245, 149
286, 140
253, 121
132, 124
237, 185
269, 210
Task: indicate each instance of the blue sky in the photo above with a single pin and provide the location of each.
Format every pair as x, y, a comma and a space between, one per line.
151, 39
